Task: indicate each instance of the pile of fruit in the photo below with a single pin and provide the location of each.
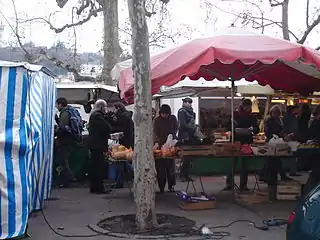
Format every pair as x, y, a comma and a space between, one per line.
163, 153
120, 152
309, 145
259, 138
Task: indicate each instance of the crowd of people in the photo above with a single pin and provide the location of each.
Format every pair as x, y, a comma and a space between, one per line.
297, 123
103, 122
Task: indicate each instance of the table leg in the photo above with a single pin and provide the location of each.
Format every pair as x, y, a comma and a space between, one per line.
272, 177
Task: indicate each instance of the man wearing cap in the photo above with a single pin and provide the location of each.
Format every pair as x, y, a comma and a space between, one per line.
187, 128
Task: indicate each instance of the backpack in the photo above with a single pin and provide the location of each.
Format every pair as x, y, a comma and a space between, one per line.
75, 123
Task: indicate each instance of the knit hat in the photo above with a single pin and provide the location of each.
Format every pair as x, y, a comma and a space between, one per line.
165, 109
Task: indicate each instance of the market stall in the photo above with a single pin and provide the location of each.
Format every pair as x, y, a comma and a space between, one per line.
79, 94
26, 130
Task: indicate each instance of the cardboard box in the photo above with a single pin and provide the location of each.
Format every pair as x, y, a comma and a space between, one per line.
263, 150
191, 206
290, 190
282, 149
226, 149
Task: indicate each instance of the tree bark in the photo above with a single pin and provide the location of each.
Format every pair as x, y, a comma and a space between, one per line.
145, 173
111, 47
285, 19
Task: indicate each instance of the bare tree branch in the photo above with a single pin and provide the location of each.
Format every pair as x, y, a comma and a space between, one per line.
315, 23
275, 3
43, 54
317, 48
257, 22
92, 13
15, 31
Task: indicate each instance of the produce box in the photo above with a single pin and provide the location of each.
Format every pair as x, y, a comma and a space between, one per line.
282, 149
226, 149
198, 150
195, 201
290, 190
263, 150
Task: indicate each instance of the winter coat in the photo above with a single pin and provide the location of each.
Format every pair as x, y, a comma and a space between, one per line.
273, 126
162, 128
245, 121
125, 124
99, 131
187, 125
63, 136
314, 130
303, 127
290, 124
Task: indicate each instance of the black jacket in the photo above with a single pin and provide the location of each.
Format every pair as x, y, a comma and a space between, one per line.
187, 125
125, 124
303, 127
162, 128
272, 127
245, 121
99, 131
314, 130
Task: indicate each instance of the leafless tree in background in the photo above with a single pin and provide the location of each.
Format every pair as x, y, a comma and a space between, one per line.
258, 20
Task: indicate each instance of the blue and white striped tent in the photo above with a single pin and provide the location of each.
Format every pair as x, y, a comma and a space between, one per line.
27, 98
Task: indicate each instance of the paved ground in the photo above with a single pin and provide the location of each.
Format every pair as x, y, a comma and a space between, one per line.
76, 208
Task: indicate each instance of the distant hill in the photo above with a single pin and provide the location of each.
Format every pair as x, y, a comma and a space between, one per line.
59, 51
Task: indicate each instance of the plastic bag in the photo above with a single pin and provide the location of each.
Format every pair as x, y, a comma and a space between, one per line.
169, 143
275, 140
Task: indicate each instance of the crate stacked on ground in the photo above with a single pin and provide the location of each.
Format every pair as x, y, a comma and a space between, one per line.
290, 190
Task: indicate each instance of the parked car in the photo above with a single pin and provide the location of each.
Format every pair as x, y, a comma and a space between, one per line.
304, 221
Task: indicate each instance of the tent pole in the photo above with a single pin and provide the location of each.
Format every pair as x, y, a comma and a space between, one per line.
232, 110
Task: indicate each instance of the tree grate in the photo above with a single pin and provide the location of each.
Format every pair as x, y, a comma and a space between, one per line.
167, 225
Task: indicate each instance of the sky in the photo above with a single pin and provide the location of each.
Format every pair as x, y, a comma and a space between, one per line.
188, 16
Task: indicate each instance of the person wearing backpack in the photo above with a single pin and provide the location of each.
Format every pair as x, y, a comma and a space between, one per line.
68, 133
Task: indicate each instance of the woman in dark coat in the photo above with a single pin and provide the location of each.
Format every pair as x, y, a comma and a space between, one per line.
303, 122
99, 133
246, 121
164, 125
124, 123
274, 126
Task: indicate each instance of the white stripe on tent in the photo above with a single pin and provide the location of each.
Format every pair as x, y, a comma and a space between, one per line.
3, 174
26, 143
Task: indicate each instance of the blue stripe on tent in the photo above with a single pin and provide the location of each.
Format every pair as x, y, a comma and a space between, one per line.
38, 172
8, 151
22, 154
1, 68
52, 98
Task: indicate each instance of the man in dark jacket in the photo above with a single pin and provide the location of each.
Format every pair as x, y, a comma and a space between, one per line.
163, 126
64, 144
99, 133
186, 133
124, 123
187, 121
290, 121
245, 125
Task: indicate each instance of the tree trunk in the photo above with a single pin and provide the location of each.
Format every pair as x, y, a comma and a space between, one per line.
111, 47
145, 173
285, 20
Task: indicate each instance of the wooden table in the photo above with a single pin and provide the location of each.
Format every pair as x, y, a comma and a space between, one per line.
206, 151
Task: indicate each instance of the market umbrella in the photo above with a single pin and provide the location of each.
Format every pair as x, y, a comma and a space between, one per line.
232, 55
